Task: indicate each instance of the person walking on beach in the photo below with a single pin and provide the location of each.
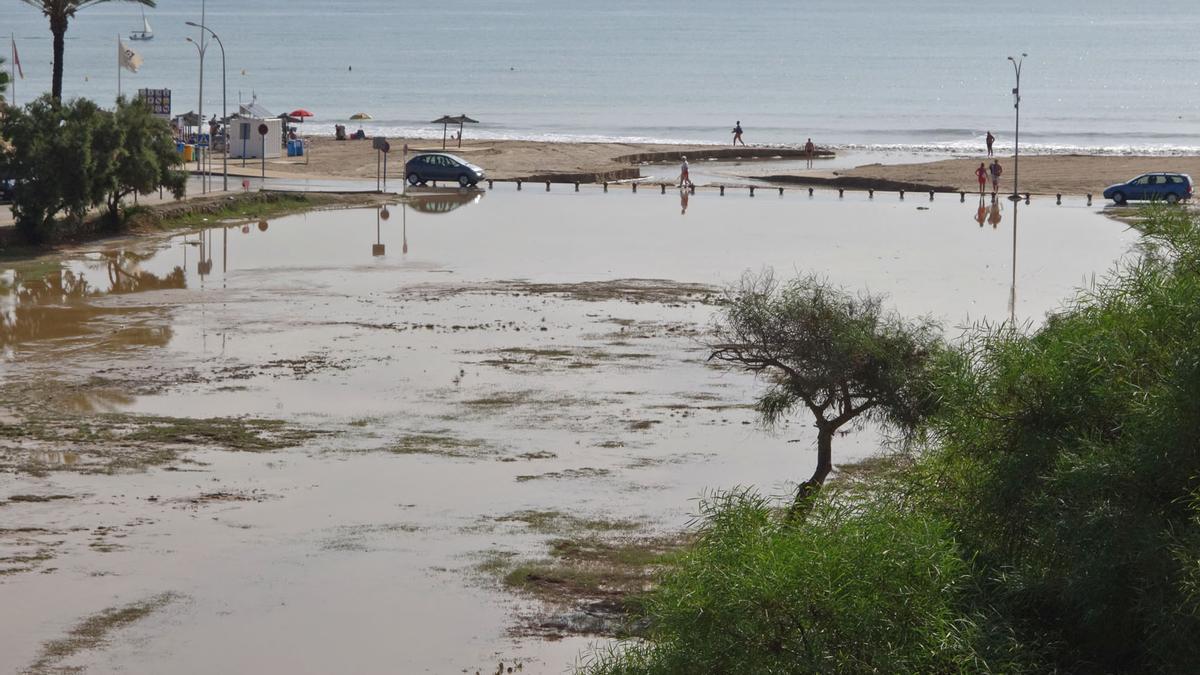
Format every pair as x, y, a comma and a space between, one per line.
981, 173
990, 140
809, 149
737, 133
685, 180
995, 169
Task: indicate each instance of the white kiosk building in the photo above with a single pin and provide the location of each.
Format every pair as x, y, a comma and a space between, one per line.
244, 140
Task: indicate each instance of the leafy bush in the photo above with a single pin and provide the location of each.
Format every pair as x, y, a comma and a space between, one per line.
1069, 463
850, 590
70, 158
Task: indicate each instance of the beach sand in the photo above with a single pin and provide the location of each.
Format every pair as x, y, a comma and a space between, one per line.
510, 160
595, 162
1044, 174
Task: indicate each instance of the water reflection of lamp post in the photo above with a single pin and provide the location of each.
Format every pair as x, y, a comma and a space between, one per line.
1017, 132
1012, 290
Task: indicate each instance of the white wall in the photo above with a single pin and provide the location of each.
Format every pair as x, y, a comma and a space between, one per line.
252, 147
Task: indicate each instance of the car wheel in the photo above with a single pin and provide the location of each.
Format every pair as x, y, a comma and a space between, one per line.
464, 180
1172, 198
413, 178
1118, 197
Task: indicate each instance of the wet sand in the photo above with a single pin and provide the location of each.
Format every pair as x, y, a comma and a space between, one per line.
395, 389
1040, 175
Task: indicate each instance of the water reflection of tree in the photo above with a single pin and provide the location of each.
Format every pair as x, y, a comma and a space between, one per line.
56, 305
124, 275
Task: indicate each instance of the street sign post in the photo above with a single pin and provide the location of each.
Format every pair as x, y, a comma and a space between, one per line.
262, 131
380, 143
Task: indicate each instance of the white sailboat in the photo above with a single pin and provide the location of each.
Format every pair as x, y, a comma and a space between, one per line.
146, 33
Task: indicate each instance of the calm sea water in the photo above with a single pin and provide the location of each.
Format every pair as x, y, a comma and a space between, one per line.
1102, 75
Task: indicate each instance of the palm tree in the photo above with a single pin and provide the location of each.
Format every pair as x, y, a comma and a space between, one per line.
60, 12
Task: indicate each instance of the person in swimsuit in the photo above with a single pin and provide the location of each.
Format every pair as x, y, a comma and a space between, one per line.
737, 133
809, 149
684, 179
990, 140
981, 173
995, 169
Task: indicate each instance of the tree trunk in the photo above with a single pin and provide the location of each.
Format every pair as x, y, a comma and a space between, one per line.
809, 488
59, 28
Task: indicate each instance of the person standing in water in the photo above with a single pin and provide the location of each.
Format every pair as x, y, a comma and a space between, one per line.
685, 180
809, 149
990, 140
995, 169
737, 133
982, 174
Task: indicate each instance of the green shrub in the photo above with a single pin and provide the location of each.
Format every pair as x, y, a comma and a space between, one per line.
72, 157
1068, 462
850, 590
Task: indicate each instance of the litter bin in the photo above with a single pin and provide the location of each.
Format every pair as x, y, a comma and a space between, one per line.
189, 153
299, 147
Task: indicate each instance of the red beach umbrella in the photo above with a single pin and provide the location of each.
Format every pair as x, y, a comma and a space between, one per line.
301, 113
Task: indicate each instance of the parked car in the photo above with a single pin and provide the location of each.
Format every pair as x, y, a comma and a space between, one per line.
441, 166
1168, 187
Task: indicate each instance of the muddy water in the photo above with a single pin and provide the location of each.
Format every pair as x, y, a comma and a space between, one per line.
468, 358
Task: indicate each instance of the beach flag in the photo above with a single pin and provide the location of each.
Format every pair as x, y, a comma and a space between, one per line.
17, 59
130, 60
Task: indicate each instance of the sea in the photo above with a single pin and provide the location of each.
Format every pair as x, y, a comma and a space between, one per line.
1100, 76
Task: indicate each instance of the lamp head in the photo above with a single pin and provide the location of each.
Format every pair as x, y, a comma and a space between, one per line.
193, 24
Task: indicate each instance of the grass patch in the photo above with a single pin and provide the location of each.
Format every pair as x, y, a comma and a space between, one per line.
111, 443
442, 444
557, 522
94, 631
245, 434
591, 585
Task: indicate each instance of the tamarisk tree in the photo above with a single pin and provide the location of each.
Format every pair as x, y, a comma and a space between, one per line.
837, 354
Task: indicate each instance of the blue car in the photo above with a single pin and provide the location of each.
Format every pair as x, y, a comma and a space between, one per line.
434, 166
1168, 187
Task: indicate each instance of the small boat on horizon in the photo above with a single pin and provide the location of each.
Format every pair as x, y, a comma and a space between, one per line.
146, 33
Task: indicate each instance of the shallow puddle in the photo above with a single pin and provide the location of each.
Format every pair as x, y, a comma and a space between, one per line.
460, 361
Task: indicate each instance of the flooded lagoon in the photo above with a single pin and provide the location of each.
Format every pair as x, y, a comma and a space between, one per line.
300, 444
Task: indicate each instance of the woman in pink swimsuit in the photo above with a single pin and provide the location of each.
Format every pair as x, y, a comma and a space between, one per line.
981, 173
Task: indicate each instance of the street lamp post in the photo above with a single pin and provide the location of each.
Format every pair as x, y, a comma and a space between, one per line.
224, 108
1017, 135
200, 114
